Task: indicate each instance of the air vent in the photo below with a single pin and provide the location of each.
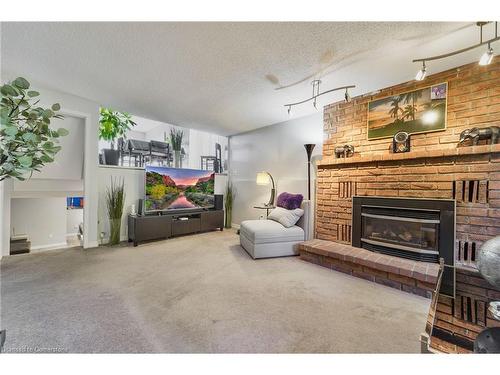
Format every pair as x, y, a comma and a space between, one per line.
470, 191
347, 189
401, 212
344, 232
470, 309
467, 252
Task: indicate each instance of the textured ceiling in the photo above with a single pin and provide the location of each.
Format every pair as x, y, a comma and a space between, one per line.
224, 77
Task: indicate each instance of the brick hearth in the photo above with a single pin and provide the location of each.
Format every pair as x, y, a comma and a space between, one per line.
434, 168
403, 274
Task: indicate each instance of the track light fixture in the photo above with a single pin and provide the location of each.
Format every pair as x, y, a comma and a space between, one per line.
485, 59
421, 73
347, 97
289, 110
316, 93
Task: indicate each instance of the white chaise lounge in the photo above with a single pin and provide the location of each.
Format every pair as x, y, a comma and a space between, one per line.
268, 238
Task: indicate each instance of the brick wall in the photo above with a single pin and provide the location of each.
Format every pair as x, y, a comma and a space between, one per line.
435, 168
473, 100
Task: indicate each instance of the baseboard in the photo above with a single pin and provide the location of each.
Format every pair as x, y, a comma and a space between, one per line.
235, 226
36, 249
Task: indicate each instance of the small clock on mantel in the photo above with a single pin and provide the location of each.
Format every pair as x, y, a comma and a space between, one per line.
401, 142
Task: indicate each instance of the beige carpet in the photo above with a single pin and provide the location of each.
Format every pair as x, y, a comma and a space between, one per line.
199, 293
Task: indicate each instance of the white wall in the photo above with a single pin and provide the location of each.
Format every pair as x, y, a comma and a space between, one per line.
76, 106
42, 219
68, 163
278, 149
73, 219
203, 144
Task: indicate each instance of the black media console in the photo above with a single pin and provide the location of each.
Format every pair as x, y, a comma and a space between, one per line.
165, 225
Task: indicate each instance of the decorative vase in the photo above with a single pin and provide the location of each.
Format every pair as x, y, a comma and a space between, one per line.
228, 218
114, 231
177, 159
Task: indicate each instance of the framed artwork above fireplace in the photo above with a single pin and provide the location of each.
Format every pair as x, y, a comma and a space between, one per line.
418, 111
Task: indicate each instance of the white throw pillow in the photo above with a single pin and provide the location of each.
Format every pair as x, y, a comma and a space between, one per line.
287, 218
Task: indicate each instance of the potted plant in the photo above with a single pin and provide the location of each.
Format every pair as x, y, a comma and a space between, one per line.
230, 195
27, 142
115, 199
176, 136
112, 125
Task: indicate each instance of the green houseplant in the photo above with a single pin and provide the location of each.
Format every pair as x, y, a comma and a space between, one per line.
228, 205
176, 136
112, 125
27, 142
115, 199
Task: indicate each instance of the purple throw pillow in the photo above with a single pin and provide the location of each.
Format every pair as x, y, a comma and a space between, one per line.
289, 201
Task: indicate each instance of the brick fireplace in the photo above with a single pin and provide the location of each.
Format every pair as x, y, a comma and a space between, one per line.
435, 169
417, 229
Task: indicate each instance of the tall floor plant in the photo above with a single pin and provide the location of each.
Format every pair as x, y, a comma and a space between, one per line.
230, 195
115, 199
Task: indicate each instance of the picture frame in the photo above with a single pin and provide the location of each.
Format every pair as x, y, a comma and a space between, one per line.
418, 111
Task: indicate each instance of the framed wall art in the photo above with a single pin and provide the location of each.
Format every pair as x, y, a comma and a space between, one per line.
413, 112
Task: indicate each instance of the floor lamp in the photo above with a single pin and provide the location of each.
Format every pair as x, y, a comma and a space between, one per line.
309, 149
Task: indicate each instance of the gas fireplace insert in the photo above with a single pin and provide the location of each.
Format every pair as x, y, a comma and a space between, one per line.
417, 229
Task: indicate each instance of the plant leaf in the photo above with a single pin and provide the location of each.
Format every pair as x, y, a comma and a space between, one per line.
46, 159
56, 107
25, 160
62, 132
8, 90
47, 113
32, 94
11, 130
21, 83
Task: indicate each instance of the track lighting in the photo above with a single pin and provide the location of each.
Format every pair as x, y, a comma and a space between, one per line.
316, 93
487, 57
421, 73
289, 111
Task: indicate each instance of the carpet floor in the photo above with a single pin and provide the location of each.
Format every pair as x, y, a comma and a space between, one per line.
200, 294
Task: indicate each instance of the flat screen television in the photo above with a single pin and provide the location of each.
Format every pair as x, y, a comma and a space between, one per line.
178, 189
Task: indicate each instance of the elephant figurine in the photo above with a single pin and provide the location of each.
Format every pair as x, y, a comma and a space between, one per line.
344, 151
477, 134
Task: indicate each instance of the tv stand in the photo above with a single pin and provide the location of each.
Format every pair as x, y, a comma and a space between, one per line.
166, 224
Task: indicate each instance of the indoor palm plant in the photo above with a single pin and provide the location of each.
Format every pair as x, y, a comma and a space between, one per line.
230, 195
27, 142
115, 199
112, 125
176, 136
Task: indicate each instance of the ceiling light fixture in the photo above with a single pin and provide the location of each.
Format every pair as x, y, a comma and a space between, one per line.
421, 73
316, 93
347, 97
486, 58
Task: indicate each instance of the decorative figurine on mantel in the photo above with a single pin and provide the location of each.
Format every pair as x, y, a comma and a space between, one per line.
344, 151
478, 134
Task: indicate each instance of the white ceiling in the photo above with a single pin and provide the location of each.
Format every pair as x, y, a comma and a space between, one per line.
225, 77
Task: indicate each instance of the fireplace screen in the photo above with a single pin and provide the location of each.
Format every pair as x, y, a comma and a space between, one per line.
404, 233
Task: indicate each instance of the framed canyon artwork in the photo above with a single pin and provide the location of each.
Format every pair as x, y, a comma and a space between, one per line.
419, 111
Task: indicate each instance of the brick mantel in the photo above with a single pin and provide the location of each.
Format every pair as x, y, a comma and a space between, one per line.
327, 161
436, 167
